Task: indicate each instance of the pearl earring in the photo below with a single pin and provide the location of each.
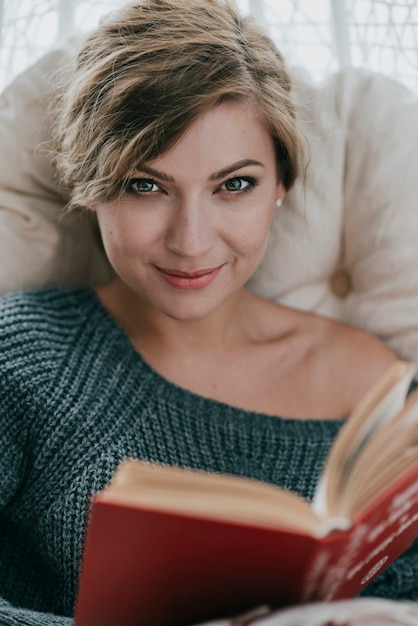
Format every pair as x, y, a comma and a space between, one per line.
279, 202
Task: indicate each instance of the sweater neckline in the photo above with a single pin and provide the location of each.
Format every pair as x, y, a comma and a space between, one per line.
175, 390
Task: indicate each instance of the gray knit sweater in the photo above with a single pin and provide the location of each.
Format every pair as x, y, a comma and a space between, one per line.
75, 399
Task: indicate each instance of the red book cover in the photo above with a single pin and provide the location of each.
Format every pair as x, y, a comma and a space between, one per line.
380, 534
155, 567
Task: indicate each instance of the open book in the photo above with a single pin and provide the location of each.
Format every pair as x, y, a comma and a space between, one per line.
172, 547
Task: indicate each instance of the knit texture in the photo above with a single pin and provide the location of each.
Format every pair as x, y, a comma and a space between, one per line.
76, 399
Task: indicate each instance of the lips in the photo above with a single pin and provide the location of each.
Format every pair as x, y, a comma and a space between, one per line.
196, 279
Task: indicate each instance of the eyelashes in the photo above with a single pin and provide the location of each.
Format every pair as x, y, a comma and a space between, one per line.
140, 186
147, 186
239, 184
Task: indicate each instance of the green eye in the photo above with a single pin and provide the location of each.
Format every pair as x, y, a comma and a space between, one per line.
234, 184
140, 185
239, 184
143, 185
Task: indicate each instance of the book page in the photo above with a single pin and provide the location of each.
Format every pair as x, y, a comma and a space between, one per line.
379, 406
391, 454
216, 496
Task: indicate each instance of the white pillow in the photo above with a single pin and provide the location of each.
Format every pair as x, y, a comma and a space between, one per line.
39, 246
354, 216
355, 208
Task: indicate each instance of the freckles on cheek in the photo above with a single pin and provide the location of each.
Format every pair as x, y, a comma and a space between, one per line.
123, 244
110, 237
113, 231
254, 236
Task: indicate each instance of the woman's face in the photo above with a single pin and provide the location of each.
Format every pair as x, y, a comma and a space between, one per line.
192, 225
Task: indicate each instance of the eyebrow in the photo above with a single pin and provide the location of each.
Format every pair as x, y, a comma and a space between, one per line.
233, 168
213, 177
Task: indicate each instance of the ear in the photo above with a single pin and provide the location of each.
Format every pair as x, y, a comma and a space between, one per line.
280, 193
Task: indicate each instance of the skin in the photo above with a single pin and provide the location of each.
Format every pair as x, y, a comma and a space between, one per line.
186, 234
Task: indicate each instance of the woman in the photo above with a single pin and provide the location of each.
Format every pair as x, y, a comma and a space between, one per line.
177, 129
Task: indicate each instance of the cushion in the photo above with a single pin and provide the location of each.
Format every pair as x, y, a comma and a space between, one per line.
345, 242
39, 244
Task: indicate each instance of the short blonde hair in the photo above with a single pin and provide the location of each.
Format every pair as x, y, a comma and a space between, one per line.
145, 74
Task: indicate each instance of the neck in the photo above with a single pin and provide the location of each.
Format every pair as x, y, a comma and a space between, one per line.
144, 324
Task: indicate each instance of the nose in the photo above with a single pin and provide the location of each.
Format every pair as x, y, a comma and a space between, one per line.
191, 232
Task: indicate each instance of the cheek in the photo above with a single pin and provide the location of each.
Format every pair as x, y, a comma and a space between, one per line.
118, 229
251, 236
115, 233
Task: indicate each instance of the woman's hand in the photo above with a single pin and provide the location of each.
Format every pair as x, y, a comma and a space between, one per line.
357, 612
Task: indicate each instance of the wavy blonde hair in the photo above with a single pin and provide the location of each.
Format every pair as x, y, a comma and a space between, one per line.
147, 72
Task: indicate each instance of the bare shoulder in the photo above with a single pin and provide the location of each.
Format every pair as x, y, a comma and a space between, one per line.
355, 358
337, 363
325, 340
359, 346
338, 340
317, 366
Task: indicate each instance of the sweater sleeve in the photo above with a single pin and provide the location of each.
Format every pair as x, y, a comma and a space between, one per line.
12, 467
13, 616
12, 443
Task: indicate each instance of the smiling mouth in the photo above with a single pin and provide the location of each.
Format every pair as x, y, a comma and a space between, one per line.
189, 280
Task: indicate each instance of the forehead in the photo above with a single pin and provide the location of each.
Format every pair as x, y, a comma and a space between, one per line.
230, 132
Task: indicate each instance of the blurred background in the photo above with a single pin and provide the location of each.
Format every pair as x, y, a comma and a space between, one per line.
320, 35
